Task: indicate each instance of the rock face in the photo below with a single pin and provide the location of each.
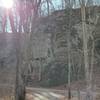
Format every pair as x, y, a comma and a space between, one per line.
57, 27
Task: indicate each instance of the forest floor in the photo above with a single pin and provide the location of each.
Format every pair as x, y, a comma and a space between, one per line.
51, 94
41, 94
47, 94
54, 93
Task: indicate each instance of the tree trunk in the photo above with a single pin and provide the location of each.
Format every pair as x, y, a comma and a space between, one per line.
68, 8
48, 8
85, 50
20, 78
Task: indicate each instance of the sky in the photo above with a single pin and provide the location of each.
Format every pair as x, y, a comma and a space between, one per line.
57, 4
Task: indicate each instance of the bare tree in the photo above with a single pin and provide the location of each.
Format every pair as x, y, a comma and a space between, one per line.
9, 14
89, 3
62, 1
68, 9
20, 78
72, 3
85, 50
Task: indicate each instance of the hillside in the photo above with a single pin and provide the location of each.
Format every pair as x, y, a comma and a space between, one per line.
57, 28
51, 33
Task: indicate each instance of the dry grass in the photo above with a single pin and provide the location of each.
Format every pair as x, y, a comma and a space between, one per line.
98, 97
65, 98
7, 98
29, 97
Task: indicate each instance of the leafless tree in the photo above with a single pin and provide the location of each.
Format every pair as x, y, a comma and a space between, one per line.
20, 77
8, 14
68, 8
85, 50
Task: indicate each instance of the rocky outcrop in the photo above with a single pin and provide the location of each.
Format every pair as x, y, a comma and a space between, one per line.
57, 26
